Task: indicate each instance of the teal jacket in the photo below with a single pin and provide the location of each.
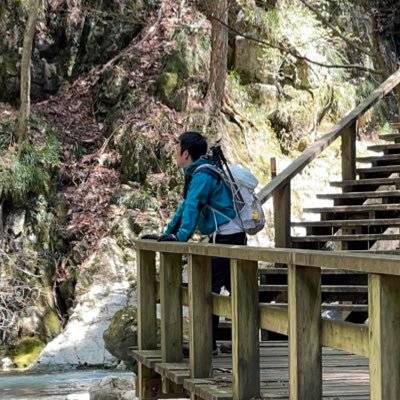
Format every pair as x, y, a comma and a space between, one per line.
203, 190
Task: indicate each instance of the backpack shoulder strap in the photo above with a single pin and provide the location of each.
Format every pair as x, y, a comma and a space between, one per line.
209, 169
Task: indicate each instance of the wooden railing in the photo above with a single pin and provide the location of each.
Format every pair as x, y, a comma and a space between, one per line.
302, 322
279, 187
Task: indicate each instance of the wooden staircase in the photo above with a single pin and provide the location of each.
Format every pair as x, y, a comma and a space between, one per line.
366, 216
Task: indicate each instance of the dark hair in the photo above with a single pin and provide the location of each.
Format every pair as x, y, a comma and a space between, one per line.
194, 142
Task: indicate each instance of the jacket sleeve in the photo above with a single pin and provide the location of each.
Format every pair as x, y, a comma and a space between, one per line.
175, 222
199, 191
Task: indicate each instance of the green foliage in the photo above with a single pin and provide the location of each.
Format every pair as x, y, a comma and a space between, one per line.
29, 170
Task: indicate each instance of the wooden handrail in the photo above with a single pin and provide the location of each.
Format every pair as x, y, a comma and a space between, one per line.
316, 148
307, 331
368, 263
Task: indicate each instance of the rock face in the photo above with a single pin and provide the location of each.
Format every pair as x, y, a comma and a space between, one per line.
101, 291
113, 388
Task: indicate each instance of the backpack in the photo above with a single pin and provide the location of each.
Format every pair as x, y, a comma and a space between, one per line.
241, 183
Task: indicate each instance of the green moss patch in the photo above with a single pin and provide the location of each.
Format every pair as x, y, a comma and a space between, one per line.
26, 352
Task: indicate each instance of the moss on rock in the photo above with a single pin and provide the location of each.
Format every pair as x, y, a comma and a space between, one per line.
122, 334
50, 325
26, 352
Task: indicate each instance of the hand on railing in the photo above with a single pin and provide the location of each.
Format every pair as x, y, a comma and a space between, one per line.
150, 237
167, 238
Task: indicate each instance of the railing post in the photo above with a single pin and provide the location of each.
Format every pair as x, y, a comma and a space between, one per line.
171, 307
200, 311
146, 314
349, 153
281, 200
245, 327
384, 336
305, 356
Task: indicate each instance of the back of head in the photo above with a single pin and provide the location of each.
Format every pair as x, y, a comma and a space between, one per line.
194, 142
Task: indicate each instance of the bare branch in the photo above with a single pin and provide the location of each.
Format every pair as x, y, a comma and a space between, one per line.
334, 29
295, 54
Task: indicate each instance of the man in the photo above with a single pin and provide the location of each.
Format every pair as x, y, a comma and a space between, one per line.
217, 221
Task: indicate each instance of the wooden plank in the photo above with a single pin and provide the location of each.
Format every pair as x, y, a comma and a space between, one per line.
350, 222
316, 148
384, 147
146, 315
350, 238
324, 288
245, 346
332, 306
358, 208
361, 195
345, 336
147, 357
384, 331
366, 182
146, 300
200, 311
395, 125
282, 216
351, 261
349, 152
390, 136
305, 361
385, 157
171, 307
273, 319
383, 168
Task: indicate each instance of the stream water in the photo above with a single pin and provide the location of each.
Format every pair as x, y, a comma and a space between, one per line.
72, 385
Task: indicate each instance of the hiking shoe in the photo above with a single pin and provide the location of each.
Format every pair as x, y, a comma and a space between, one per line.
225, 348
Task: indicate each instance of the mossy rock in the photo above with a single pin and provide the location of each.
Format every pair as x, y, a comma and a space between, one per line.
50, 325
139, 158
170, 85
171, 92
26, 352
122, 334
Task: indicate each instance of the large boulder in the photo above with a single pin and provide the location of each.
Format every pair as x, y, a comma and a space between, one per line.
122, 334
101, 290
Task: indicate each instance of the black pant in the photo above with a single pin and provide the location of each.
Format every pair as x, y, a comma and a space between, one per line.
221, 272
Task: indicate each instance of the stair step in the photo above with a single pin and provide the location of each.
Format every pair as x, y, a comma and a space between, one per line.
385, 168
357, 208
331, 306
324, 271
345, 238
394, 251
377, 194
384, 147
395, 125
349, 222
390, 136
386, 157
324, 288
373, 181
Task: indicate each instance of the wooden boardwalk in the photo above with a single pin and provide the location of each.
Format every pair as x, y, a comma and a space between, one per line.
345, 376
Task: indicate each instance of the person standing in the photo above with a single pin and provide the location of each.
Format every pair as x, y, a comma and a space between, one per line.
208, 205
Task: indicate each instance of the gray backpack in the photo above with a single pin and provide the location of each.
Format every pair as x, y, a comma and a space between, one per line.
241, 183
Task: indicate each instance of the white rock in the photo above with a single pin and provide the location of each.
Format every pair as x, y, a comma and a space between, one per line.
101, 291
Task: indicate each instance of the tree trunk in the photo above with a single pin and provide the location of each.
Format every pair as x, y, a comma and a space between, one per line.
25, 87
219, 55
